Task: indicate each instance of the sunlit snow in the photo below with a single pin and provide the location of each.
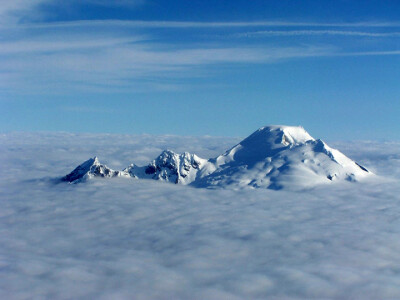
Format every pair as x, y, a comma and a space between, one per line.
273, 157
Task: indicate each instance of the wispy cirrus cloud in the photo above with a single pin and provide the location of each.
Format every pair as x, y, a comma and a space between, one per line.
190, 24
273, 33
92, 55
119, 65
370, 53
121, 54
11, 11
125, 3
63, 45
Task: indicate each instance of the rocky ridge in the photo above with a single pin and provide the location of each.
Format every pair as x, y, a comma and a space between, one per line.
273, 157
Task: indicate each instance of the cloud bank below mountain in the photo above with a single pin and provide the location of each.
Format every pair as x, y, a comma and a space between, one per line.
120, 238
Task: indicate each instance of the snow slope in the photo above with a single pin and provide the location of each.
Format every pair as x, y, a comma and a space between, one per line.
273, 157
278, 157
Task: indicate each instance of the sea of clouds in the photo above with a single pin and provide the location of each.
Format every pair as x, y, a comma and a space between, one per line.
123, 238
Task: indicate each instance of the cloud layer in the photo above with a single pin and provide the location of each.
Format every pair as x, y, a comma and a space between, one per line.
118, 238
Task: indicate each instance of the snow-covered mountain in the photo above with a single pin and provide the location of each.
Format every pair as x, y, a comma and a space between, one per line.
281, 156
170, 166
92, 168
273, 157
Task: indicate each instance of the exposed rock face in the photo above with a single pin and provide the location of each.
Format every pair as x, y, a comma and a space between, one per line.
92, 168
273, 157
170, 166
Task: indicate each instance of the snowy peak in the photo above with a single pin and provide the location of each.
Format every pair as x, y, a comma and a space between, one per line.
263, 143
91, 168
277, 136
80, 171
277, 157
170, 166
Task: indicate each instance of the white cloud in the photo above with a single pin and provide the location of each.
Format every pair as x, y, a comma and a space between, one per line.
269, 33
9, 7
118, 238
63, 44
185, 24
125, 3
384, 157
12, 11
371, 53
117, 61
80, 60
117, 56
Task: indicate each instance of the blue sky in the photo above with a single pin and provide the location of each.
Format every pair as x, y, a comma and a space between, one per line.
201, 67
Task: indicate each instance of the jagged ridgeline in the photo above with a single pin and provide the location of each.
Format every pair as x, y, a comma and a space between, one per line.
273, 157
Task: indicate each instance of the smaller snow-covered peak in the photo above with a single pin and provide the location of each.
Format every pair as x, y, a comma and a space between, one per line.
167, 153
170, 166
80, 171
96, 161
167, 156
170, 158
92, 168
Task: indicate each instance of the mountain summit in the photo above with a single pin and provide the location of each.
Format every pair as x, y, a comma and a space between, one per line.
279, 157
265, 142
170, 166
91, 168
274, 157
